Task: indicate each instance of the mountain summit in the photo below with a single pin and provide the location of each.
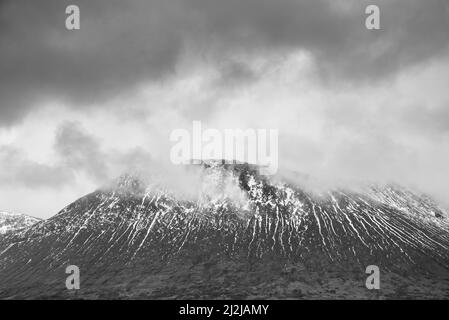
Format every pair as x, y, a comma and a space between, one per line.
10, 222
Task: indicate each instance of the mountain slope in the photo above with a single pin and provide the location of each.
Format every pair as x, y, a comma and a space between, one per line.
272, 239
10, 222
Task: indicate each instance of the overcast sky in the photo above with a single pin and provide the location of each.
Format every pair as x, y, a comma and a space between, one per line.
78, 108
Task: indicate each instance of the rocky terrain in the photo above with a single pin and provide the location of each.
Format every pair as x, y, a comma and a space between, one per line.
12, 222
246, 236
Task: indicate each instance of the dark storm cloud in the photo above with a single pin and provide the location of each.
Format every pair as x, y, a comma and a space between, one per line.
124, 44
17, 169
426, 120
235, 74
119, 46
80, 151
76, 152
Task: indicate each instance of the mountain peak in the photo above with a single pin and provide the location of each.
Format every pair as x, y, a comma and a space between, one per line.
15, 221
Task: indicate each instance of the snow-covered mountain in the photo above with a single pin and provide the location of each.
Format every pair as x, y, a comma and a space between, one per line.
245, 236
13, 221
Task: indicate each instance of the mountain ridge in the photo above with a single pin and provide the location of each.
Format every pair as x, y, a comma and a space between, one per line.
10, 222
